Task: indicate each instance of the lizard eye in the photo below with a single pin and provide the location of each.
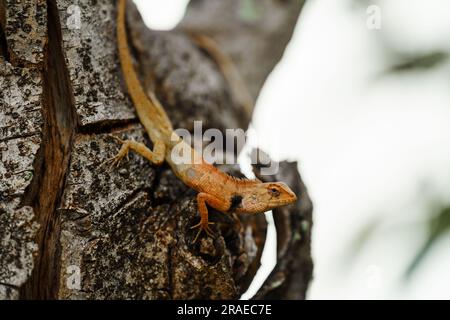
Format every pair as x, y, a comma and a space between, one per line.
274, 192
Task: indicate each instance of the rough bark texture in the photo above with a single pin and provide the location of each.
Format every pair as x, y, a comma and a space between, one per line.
125, 231
291, 276
254, 33
21, 127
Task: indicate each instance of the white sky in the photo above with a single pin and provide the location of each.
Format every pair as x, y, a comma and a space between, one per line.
369, 147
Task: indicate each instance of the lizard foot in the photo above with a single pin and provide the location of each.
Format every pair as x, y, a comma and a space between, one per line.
123, 152
203, 226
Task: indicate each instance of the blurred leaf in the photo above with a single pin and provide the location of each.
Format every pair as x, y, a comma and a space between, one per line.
359, 242
358, 4
364, 235
438, 226
418, 62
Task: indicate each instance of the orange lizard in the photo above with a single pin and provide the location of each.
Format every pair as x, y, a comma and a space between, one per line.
216, 189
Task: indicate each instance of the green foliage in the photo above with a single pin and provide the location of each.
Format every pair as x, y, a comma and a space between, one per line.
438, 226
418, 62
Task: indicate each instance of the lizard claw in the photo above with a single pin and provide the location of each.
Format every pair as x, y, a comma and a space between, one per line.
113, 161
116, 138
123, 152
203, 226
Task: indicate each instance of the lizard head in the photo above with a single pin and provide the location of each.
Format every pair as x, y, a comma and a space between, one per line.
266, 196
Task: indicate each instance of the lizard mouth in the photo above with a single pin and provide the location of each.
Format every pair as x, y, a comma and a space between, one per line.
289, 198
284, 202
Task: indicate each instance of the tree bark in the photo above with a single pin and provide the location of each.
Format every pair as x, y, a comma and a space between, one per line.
71, 228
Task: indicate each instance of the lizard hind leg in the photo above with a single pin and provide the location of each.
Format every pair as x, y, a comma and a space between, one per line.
156, 156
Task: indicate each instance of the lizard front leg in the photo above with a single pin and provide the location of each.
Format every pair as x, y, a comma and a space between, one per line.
202, 200
156, 156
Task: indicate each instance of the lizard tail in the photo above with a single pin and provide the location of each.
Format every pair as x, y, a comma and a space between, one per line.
149, 109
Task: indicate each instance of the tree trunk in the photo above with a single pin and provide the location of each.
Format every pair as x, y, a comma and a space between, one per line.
71, 228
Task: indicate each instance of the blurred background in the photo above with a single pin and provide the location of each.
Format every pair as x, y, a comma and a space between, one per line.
366, 113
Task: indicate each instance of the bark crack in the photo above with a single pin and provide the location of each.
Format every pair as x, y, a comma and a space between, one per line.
52, 163
8, 285
107, 126
4, 52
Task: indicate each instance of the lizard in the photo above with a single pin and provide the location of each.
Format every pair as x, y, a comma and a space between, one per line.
215, 188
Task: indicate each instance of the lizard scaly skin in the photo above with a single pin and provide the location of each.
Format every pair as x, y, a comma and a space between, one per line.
215, 188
